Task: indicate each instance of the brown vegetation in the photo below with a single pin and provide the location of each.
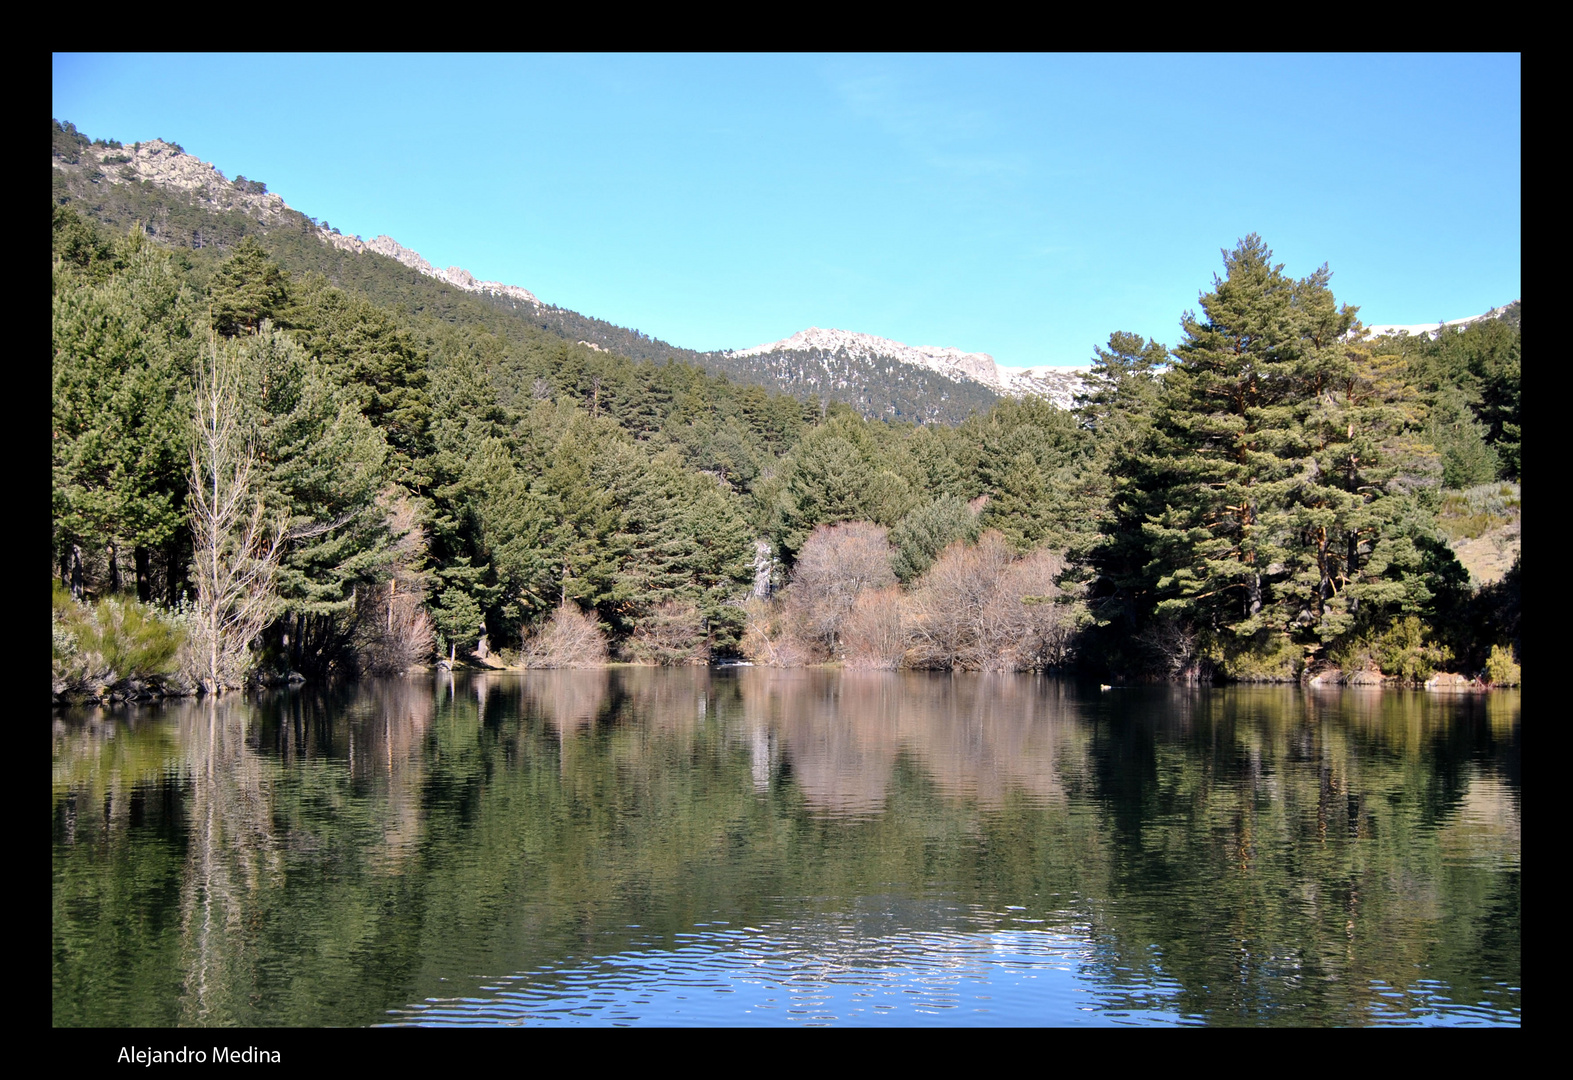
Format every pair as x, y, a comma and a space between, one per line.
977, 609
768, 639
396, 630
874, 635
672, 634
570, 639
836, 563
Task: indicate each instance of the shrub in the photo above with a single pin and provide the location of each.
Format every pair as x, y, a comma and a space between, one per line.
1404, 651
115, 640
1266, 657
977, 609
396, 632
835, 564
769, 638
570, 639
873, 635
1501, 668
672, 634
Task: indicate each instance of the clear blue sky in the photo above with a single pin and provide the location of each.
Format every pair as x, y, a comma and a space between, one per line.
1024, 206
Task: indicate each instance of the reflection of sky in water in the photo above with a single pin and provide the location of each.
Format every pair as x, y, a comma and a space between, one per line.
1213, 857
774, 976
893, 962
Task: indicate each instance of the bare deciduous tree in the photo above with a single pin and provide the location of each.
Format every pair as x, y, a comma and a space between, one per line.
767, 638
977, 609
398, 631
836, 563
672, 634
570, 639
236, 546
873, 634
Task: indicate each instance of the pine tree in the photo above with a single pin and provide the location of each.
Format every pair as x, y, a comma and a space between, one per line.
123, 355
248, 288
323, 466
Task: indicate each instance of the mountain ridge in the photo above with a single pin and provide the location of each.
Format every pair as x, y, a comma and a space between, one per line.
880, 377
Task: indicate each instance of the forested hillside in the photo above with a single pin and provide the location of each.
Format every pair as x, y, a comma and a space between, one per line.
96, 179
272, 456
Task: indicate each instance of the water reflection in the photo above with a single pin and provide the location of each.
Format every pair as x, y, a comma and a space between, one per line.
978, 849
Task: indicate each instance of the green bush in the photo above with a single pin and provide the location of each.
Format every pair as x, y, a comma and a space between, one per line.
1474, 512
1265, 657
1404, 651
115, 639
1501, 668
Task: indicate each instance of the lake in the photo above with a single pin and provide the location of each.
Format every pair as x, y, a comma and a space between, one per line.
744, 846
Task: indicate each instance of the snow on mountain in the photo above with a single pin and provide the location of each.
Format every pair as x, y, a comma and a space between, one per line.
456, 276
1059, 385
167, 165
1430, 329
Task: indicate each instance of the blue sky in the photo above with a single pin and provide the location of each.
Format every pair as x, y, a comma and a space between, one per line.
1021, 205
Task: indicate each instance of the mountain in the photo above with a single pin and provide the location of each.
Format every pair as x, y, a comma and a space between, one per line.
839, 351
1507, 312
188, 203
456, 276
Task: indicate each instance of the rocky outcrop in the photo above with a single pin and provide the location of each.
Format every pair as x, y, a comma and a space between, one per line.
457, 276
167, 165
1451, 682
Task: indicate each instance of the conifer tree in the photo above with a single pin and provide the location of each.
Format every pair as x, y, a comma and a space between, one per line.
123, 356
1224, 459
248, 288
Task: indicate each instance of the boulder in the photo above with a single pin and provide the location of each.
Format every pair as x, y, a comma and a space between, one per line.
1364, 678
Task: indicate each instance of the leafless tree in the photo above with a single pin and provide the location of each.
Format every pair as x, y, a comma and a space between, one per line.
672, 634
236, 544
768, 639
873, 634
977, 609
570, 639
398, 631
835, 564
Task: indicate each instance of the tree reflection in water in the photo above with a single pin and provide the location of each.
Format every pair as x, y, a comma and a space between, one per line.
1247, 855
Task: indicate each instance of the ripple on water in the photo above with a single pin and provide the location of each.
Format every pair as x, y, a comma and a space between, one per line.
775, 976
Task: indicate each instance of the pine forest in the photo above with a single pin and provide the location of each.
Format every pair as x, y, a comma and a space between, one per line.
274, 459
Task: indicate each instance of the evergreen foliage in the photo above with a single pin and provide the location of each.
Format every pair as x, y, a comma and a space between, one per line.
1262, 499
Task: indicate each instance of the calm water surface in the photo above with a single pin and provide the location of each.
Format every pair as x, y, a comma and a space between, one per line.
731, 847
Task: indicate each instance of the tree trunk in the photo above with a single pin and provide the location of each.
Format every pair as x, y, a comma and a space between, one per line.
76, 571
114, 568
144, 561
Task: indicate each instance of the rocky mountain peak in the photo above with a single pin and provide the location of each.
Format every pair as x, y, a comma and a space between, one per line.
167, 165
456, 276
